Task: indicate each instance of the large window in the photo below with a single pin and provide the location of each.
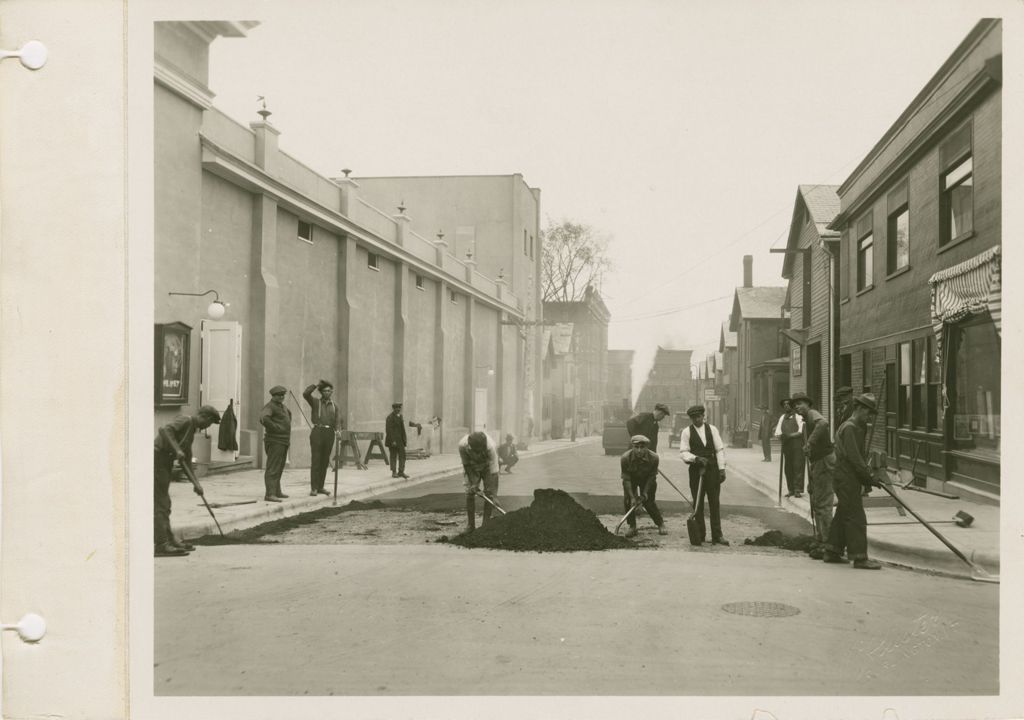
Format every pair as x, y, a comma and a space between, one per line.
867, 370
957, 186
977, 365
845, 372
920, 382
865, 252
897, 240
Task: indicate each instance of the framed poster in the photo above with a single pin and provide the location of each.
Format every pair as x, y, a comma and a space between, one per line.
172, 370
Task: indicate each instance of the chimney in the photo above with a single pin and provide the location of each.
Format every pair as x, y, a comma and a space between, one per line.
748, 271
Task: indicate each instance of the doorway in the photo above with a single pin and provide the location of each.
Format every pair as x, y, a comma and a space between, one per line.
221, 375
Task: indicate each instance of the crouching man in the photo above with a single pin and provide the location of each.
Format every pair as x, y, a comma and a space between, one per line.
639, 468
480, 463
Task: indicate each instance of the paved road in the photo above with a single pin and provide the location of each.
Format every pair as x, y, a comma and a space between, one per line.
432, 619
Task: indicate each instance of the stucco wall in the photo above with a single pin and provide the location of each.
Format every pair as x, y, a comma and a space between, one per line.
485, 337
454, 414
373, 319
420, 351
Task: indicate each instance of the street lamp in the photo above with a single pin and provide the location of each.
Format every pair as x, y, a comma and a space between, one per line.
215, 309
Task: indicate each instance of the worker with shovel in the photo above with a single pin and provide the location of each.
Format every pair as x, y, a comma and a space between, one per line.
849, 525
701, 447
822, 464
639, 470
174, 441
479, 457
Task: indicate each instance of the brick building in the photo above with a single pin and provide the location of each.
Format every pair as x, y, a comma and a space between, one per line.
808, 266
318, 281
619, 388
762, 372
725, 379
920, 317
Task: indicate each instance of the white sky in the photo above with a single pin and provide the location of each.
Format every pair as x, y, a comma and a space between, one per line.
681, 129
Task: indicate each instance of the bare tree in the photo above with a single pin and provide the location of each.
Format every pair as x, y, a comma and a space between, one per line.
574, 257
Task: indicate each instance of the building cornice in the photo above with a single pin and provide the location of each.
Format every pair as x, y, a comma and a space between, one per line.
224, 164
987, 79
174, 79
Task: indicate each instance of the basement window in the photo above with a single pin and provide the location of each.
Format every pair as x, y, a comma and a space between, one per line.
373, 261
305, 232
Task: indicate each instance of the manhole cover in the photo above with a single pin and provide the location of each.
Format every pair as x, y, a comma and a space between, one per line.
761, 609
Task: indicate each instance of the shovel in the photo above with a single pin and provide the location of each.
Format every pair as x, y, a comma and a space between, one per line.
230, 504
691, 522
625, 517
195, 483
487, 499
675, 488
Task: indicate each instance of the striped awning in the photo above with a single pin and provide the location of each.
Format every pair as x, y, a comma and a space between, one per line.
969, 288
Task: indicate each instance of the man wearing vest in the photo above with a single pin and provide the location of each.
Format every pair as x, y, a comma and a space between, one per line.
790, 431
701, 447
818, 450
849, 526
326, 423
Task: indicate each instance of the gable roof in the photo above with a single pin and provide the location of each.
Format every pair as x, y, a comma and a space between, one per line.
821, 202
727, 338
756, 303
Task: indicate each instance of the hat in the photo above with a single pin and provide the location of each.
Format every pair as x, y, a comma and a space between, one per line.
324, 384
211, 412
868, 401
636, 439
797, 396
783, 401
278, 390
509, 437
844, 390
663, 407
477, 440
695, 410
396, 405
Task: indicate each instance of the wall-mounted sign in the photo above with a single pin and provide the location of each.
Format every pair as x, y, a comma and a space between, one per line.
796, 356
172, 371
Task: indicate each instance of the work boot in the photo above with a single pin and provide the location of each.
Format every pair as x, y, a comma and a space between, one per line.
281, 495
187, 547
470, 513
719, 541
662, 530
168, 550
321, 491
831, 557
312, 493
270, 498
631, 532
867, 564
403, 475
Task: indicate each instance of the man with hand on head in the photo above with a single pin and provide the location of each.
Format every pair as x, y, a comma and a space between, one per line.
639, 471
480, 463
326, 416
174, 442
701, 447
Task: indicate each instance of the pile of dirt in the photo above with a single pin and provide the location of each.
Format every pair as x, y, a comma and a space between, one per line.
777, 538
554, 522
256, 535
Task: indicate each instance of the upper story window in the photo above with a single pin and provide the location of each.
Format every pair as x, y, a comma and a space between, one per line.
452, 297
526, 246
305, 231
373, 261
897, 235
531, 246
957, 186
865, 252
419, 282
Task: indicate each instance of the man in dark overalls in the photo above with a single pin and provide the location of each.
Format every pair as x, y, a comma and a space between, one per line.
396, 440
326, 423
174, 442
701, 447
639, 471
849, 525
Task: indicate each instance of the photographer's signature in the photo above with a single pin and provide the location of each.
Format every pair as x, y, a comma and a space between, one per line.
889, 653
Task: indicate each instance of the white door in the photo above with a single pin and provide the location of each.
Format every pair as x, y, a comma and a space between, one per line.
221, 375
480, 409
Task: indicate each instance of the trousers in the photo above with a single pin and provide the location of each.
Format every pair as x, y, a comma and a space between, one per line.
766, 447
849, 528
321, 442
396, 458
712, 491
823, 495
793, 452
649, 504
162, 466
276, 454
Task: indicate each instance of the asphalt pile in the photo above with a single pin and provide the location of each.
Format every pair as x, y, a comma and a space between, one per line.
777, 538
554, 522
260, 533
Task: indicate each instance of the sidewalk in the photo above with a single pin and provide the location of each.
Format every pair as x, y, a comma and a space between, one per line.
190, 519
908, 544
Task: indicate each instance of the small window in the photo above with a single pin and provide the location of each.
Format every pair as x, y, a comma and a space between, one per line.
865, 257
526, 247
897, 241
373, 261
531, 247
419, 282
305, 231
452, 297
906, 378
867, 368
957, 186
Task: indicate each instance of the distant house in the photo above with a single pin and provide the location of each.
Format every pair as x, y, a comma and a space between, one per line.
725, 379
619, 387
669, 381
762, 364
812, 311
558, 379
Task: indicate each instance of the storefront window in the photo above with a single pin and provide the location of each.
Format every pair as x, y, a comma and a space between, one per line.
976, 386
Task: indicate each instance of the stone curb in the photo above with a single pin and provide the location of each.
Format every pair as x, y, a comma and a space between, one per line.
246, 516
940, 559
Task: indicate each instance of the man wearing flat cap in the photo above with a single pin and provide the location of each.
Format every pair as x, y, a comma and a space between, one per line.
396, 440
326, 417
646, 424
276, 420
701, 447
174, 442
639, 471
818, 451
849, 528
